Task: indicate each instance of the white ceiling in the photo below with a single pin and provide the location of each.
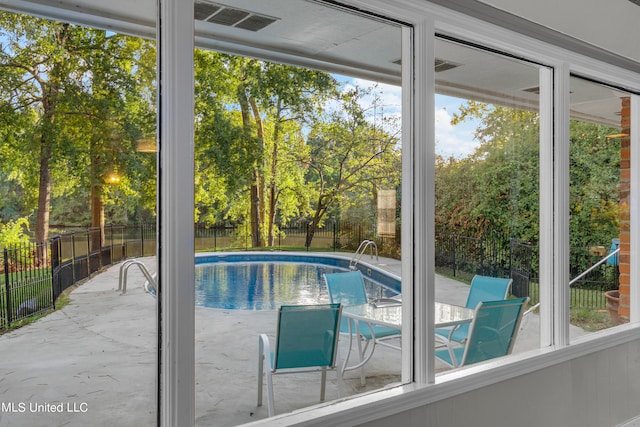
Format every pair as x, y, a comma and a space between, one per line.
612, 25
314, 35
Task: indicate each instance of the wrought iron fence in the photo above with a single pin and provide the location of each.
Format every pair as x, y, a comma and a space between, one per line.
464, 256
25, 283
499, 255
34, 275
330, 236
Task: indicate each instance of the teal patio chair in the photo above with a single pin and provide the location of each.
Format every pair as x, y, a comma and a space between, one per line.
306, 341
348, 289
483, 288
492, 333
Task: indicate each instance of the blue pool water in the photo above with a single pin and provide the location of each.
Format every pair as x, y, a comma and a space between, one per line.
265, 281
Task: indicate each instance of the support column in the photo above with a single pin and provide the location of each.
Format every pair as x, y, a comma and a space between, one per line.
624, 209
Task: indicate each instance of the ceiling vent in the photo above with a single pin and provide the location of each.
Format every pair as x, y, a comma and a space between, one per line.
202, 11
230, 16
442, 65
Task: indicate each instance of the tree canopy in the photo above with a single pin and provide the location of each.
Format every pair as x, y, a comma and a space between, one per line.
274, 144
497, 187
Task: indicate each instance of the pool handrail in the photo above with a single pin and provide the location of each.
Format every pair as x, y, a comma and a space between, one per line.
124, 268
361, 251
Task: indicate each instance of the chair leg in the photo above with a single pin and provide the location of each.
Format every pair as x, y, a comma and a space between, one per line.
260, 369
449, 344
340, 382
270, 403
363, 380
323, 383
264, 349
260, 377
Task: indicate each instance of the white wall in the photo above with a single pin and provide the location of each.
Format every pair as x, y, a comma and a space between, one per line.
600, 389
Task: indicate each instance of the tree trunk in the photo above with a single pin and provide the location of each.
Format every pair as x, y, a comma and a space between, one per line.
272, 193
44, 191
255, 213
254, 195
317, 217
311, 230
259, 176
97, 216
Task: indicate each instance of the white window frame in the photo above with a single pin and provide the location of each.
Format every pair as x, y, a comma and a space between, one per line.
176, 258
176, 231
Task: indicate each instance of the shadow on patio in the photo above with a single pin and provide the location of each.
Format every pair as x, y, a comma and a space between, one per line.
99, 353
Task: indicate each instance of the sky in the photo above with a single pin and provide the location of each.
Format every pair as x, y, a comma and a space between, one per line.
451, 141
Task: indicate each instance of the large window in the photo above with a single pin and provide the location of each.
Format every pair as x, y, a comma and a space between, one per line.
487, 176
78, 110
599, 188
518, 158
291, 154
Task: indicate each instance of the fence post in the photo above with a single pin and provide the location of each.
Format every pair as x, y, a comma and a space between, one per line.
141, 239
454, 247
335, 237
88, 252
7, 286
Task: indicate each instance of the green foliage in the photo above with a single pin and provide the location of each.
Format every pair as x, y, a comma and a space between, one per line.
13, 233
351, 156
497, 187
73, 102
594, 181
249, 135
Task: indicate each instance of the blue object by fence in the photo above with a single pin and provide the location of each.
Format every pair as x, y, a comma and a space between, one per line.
615, 244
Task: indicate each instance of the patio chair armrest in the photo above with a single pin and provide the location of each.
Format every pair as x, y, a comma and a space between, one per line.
264, 350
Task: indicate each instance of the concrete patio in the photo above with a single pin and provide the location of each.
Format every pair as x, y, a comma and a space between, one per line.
93, 362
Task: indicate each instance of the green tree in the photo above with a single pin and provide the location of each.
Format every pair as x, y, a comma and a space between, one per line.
83, 89
594, 184
497, 186
249, 119
350, 154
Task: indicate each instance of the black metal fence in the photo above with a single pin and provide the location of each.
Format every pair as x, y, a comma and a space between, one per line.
76, 255
25, 284
330, 236
33, 276
494, 254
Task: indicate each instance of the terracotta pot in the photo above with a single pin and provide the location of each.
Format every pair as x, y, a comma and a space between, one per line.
613, 301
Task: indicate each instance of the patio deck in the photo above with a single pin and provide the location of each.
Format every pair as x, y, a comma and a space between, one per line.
94, 361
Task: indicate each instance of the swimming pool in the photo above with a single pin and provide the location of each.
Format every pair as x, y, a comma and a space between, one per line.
267, 280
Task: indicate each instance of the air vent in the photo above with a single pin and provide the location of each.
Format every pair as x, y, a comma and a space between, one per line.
442, 65
255, 22
202, 11
230, 16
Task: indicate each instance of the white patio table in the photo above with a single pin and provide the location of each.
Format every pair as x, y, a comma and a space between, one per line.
388, 313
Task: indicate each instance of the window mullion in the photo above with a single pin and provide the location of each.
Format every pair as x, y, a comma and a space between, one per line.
559, 306
422, 158
176, 294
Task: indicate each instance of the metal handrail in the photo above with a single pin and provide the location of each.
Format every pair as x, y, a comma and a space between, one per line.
124, 268
360, 252
581, 275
